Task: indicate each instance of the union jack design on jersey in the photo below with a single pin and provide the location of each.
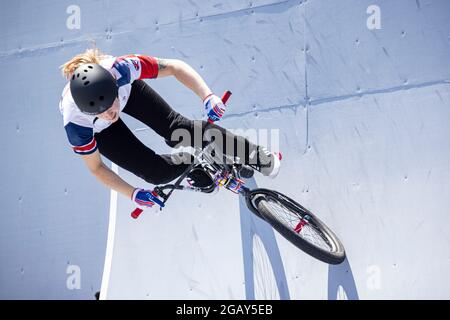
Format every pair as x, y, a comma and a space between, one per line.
81, 128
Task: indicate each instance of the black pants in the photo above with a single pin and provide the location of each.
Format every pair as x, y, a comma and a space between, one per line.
121, 146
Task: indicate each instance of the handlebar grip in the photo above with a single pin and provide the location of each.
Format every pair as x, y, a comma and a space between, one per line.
226, 96
136, 213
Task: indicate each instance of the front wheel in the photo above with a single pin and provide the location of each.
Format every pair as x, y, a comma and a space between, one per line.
297, 224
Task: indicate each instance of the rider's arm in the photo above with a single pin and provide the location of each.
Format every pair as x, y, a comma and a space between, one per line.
185, 74
105, 175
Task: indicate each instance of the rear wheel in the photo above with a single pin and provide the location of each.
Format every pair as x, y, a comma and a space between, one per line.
297, 224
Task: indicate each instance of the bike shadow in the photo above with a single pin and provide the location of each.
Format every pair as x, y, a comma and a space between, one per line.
341, 283
252, 225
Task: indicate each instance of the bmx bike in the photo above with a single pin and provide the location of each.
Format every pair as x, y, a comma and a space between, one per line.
293, 221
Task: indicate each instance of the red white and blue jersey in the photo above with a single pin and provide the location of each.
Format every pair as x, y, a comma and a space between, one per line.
80, 127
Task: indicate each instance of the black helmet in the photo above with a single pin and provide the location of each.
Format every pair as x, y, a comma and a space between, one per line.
93, 88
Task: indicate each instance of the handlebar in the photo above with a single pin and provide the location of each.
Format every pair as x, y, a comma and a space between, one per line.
226, 96
137, 212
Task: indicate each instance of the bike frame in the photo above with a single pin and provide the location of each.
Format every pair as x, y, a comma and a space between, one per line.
219, 170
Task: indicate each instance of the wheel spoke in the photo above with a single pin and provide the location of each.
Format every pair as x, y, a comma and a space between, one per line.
292, 220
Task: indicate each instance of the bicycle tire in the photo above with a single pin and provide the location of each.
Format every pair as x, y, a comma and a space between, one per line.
259, 202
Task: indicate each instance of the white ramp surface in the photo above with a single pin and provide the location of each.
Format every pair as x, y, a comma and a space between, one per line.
362, 116
358, 91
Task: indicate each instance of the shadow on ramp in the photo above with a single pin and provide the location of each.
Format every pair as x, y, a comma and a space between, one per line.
341, 283
252, 225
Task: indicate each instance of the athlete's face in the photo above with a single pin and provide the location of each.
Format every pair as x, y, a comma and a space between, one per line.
112, 114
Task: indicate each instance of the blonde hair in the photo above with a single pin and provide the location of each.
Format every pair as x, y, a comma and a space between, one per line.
89, 56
